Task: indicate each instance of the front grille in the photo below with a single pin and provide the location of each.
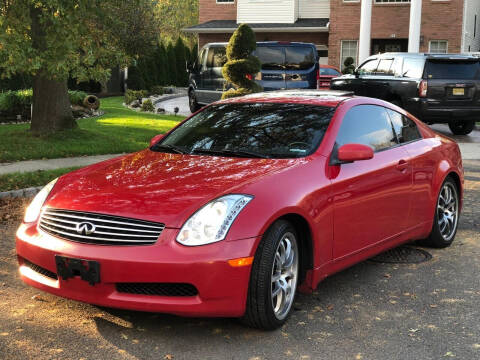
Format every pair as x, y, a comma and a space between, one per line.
159, 289
92, 228
40, 270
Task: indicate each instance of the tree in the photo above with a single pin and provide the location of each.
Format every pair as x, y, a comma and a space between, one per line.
241, 65
172, 66
54, 39
180, 59
174, 15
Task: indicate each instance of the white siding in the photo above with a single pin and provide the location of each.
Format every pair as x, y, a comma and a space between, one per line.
266, 11
470, 37
314, 9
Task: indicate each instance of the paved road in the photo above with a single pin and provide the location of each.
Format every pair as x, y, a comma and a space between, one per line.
370, 311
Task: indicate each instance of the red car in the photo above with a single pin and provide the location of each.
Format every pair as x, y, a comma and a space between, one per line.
325, 74
228, 212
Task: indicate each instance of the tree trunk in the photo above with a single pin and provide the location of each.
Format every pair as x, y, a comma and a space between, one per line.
51, 106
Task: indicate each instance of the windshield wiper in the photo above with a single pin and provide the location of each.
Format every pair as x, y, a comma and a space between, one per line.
236, 153
170, 148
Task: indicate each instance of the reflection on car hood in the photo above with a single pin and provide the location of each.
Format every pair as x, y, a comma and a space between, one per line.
160, 187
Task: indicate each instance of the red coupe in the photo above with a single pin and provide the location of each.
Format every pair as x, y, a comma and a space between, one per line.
240, 204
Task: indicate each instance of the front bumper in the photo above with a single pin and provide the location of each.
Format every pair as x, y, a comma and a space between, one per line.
222, 289
430, 111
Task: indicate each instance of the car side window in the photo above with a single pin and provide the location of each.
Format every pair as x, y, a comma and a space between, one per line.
385, 67
413, 68
397, 67
216, 57
201, 59
368, 125
405, 128
368, 68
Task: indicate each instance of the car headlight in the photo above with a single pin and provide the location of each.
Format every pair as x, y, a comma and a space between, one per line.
212, 222
33, 210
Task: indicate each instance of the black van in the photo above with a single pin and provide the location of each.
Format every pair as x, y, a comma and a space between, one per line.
285, 65
436, 88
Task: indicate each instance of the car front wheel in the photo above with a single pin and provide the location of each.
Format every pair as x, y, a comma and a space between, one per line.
274, 277
461, 127
445, 222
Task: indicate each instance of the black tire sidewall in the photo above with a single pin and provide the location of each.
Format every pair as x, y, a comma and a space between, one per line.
436, 237
462, 128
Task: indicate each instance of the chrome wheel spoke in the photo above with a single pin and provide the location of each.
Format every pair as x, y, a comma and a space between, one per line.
447, 206
284, 275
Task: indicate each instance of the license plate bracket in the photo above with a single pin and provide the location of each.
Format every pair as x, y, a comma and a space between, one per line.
458, 91
68, 268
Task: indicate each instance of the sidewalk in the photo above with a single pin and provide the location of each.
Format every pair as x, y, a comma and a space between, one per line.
51, 164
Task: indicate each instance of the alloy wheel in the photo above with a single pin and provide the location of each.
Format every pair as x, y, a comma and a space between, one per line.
447, 211
284, 275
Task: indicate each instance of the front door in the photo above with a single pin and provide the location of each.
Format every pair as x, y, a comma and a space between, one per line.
380, 46
371, 197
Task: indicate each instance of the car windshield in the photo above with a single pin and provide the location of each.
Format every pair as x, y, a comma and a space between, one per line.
461, 70
265, 130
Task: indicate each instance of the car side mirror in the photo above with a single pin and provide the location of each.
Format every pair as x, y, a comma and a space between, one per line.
354, 152
156, 139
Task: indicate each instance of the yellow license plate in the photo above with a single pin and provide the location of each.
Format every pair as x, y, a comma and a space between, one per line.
458, 91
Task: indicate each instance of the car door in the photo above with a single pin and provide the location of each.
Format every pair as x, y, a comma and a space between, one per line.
372, 197
366, 76
214, 81
200, 77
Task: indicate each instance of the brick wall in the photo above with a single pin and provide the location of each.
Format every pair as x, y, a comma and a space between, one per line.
440, 21
210, 10
316, 38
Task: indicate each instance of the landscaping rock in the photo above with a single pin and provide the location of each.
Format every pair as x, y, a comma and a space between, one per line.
160, 111
135, 104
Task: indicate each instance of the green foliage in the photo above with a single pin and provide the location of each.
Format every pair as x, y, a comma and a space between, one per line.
161, 64
180, 59
15, 102
135, 79
172, 66
174, 15
349, 66
240, 63
147, 105
157, 90
76, 97
132, 95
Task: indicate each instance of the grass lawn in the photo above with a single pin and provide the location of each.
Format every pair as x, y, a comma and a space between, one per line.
118, 130
16, 181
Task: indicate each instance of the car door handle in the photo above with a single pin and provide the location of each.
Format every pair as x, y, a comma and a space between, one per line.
402, 165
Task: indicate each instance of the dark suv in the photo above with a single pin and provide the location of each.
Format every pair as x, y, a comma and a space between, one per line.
436, 88
285, 65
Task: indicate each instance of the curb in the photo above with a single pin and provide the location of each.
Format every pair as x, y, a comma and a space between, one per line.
166, 98
20, 193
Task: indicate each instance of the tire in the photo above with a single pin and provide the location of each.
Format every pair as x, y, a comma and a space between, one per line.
444, 231
268, 304
461, 127
192, 101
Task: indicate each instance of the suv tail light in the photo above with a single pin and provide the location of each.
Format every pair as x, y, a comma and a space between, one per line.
249, 76
422, 88
318, 78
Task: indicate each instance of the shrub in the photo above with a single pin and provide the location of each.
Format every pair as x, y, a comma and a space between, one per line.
132, 95
135, 80
15, 102
172, 65
349, 66
180, 59
157, 90
240, 63
76, 97
147, 105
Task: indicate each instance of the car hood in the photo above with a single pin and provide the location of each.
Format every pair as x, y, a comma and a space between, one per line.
158, 187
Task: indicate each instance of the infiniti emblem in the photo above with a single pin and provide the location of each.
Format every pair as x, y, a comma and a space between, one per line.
85, 228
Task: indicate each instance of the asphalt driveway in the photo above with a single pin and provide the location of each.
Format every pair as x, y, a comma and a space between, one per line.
370, 311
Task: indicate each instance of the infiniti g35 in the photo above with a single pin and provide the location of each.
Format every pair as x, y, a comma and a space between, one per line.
243, 203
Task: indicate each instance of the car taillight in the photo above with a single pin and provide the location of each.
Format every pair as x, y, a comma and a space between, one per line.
249, 76
423, 88
318, 79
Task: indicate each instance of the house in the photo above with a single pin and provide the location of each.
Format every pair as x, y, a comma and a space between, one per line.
343, 28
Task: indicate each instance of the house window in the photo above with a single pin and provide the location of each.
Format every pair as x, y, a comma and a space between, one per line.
438, 46
391, 1
349, 49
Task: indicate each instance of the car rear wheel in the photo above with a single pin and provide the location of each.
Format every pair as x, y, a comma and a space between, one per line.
274, 276
445, 222
192, 101
461, 127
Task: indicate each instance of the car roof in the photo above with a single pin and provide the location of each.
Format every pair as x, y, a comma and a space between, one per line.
329, 98
265, 43
425, 55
